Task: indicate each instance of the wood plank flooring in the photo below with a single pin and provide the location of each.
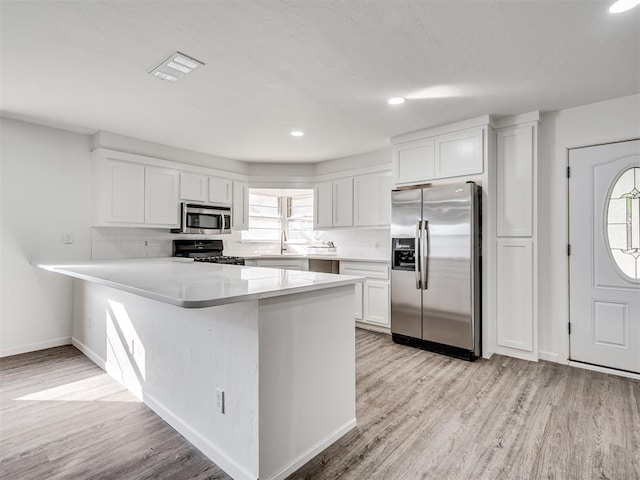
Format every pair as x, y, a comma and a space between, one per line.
420, 416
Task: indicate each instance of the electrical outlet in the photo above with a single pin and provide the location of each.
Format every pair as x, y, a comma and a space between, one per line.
220, 400
67, 238
146, 243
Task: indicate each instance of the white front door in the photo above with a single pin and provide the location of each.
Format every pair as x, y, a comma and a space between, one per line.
604, 265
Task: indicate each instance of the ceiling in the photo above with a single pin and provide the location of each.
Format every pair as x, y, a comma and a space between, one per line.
324, 67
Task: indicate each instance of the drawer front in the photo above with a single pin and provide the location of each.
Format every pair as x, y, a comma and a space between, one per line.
292, 264
377, 271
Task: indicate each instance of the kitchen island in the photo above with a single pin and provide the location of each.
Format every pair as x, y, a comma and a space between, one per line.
254, 366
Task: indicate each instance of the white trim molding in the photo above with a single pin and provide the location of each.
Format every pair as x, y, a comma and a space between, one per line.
34, 347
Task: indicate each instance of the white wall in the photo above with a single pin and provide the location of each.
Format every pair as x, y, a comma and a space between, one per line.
602, 122
45, 193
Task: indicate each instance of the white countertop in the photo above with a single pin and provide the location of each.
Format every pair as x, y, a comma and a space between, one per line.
191, 284
316, 256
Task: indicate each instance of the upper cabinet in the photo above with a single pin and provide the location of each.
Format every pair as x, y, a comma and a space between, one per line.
422, 157
137, 191
413, 162
220, 190
459, 153
121, 186
343, 202
193, 187
372, 199
323, 201
240, 207
161, 197
333, 202
360, 201
135, 195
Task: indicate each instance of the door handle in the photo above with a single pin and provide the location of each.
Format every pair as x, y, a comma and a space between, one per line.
417, 256
425, 254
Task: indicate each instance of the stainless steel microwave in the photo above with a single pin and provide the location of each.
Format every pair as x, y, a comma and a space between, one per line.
204, 219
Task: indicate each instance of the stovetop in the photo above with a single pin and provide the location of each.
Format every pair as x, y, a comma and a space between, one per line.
221, 259
209, 251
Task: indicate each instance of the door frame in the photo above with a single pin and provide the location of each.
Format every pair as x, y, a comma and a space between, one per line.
559, 271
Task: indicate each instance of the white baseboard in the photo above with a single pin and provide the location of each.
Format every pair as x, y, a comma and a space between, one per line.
549, 356
372, 328
209, 449
313, 451
610, 371
515, 353
34, 347
93, 356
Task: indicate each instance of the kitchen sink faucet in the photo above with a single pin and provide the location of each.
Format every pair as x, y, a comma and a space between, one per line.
283, 240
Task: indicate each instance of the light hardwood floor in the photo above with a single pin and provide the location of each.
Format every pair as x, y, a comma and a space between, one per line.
420, 416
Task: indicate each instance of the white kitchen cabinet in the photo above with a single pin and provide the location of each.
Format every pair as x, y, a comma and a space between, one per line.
333, 201
372, 301
343, 202
372, 200
240, 207
376, 303
220, 191
283, 263
413, 162
323, 201
122, 186
459, 153
514, 152
193, 187
161, 186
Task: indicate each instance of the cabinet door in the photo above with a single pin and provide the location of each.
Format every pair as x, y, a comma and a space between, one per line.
376, 303
372, 200
240, 208
366, 194
193, 187
323, 201
220, 190
515, 182
358, 301
384, 201
459, 153
343, 202
161, 196
413, 162
124, 192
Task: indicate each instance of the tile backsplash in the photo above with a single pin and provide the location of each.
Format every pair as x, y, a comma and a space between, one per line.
109, 243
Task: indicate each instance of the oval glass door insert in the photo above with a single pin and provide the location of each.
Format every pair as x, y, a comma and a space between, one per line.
623, 223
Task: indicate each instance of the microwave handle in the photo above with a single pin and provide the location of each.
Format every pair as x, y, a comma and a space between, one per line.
221, 222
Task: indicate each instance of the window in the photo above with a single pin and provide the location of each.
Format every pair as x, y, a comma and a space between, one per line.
272, 211
623, 223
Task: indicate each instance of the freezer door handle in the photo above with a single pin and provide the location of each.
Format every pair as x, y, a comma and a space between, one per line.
417, 255
424, 255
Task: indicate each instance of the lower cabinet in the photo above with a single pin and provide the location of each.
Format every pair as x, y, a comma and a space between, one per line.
284, 263
376, 303
372, 302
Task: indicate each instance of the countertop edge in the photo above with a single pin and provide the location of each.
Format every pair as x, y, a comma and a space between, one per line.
214, 302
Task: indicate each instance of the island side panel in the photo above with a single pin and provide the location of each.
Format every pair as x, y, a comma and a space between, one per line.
307, 376
173, 359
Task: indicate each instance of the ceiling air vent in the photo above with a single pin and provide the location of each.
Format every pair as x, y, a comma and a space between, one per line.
177, 65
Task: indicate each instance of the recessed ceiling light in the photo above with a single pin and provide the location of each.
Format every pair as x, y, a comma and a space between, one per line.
396, 100
623, 5
297, 133
176, 66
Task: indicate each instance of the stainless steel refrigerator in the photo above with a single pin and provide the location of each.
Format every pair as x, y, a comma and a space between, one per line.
435, 269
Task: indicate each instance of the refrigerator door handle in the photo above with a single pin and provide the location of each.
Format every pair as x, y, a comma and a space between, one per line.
417, 255
424, 255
